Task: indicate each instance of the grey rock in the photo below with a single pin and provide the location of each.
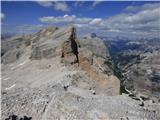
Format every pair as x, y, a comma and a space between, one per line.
11, 56
45, 88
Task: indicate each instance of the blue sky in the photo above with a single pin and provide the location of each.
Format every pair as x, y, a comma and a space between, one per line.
100, 17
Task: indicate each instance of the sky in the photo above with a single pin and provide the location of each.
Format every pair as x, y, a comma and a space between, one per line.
105, 18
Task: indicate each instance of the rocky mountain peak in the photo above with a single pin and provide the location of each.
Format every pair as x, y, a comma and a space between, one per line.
57, 71
53, 70
47, 31
90, 55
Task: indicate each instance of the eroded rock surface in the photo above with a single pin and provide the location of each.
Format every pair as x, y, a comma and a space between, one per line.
59, 76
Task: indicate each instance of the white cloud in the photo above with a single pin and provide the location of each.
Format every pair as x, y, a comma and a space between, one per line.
29, 28
144, 7
61, 6
65, 19
80, 25
114, 30
132, 9
45, 3
144, 22
2, 16
83, 20
78, 3
60, 19
142, 18
81, 3
96, 21
95, 3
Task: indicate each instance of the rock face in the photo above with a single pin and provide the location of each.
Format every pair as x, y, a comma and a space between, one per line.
70, 49
13, 48
60, 76
42, 47
91, 56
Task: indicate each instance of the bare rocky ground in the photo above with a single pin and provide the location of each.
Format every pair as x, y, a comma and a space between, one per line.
41, 94
39, 86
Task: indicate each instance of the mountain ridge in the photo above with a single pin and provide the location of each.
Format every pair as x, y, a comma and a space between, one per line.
56, 75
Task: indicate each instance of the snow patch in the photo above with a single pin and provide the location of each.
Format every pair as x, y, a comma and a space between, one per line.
6, 78
10, 87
